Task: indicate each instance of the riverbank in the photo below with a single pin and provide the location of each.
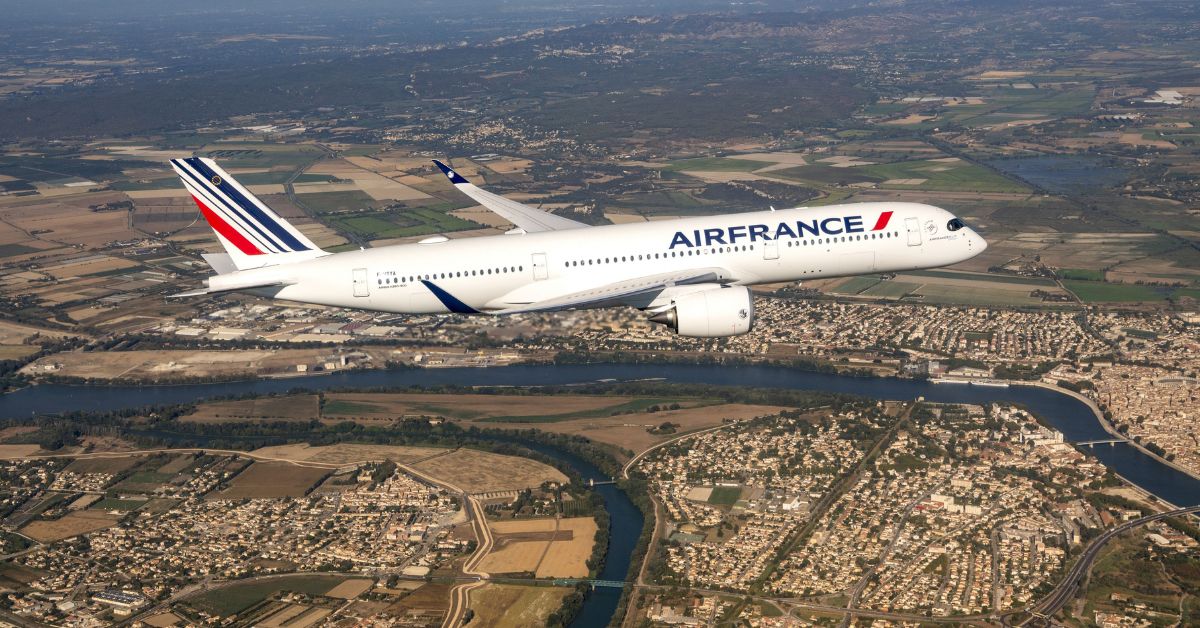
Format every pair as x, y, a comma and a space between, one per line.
1110, 428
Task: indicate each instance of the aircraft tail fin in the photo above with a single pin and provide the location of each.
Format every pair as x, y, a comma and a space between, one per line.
253, 235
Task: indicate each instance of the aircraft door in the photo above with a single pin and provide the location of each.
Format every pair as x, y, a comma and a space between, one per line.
913, 225
362, 288
771, 249
540, 269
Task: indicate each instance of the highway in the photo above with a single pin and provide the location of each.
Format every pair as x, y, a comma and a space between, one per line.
1066, 589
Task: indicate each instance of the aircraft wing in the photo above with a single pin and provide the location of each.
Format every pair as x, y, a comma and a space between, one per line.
616, 293
529, 219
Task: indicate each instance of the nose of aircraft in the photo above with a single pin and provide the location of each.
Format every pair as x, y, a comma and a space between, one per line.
976, 243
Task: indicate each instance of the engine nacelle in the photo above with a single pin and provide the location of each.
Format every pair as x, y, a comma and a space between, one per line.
710, 313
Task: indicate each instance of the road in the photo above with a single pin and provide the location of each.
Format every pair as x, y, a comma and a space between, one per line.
460, 595
1066, 589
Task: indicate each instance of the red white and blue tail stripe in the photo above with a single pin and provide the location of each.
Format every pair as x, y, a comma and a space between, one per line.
251, 232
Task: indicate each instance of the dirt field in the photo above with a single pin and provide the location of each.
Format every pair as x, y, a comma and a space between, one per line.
481, 472
430, 600
568, 559
9, 452
271, 479
515, 557
350, 589
15, 334
513, 606
550, 548
348, 453
74, 523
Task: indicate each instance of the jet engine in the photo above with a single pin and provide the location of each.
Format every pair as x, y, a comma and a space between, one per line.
712, 313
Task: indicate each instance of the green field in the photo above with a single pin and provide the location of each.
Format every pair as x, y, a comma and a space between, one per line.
123, 505
1101, 292
269, 178
1082, 274
149, 477
338, 406
633, 406
891, 289
718, 164
334, 202
857, 285
725, 495
412, 221
1012, 279
954, 176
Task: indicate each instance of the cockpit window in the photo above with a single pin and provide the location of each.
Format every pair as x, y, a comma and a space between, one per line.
955, 224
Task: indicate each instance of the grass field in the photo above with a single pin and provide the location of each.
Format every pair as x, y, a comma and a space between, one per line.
102, 465
725, 495
406, 223
941, 175
289, 407
271, 479
715, 164
1010, 279
890, 289
514, 606
856, 285
338, 406
236, 598
632, 406
1100, 292
334, 202
1082, 274
119, 505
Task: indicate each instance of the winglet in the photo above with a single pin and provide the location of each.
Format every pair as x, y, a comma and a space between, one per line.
454, 177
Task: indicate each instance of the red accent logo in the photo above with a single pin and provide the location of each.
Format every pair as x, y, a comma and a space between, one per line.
882, 222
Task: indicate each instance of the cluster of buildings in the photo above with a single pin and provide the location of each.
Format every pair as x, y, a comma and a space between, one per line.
733, 496
954, 517
964, 510
825, 329
1152, 391
353, 521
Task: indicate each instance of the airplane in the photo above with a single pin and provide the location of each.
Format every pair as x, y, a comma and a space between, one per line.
691, 274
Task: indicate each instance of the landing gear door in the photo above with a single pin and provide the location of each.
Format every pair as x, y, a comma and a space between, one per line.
913, 225
362, 288
540, 270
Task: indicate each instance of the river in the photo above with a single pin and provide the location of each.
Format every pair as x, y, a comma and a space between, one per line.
1067, 414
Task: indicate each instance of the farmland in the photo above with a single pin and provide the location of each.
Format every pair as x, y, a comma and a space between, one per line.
271, 479
513, 606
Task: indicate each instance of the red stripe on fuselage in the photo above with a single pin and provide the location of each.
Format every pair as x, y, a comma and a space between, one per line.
883, 221
226, 231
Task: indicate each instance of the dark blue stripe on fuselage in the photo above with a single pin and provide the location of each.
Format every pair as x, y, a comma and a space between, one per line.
448, 300
249, 207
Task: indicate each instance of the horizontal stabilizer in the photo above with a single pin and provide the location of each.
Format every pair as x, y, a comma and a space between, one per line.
616, 293
228, 283
220, 262
528, 219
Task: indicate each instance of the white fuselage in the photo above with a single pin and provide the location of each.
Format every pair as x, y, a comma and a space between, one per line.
498, 272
